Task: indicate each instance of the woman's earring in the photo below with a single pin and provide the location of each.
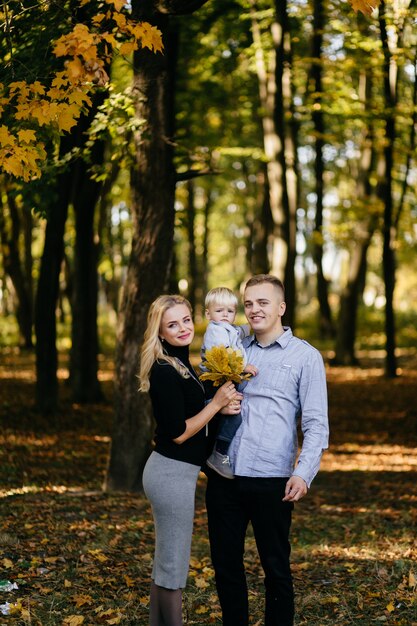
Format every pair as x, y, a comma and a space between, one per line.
162, 339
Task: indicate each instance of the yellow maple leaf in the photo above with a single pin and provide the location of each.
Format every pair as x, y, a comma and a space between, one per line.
5, 137
390, 607
118, 4
412, 581
201, 582
150, 36
79, 97
128, 47
26, 136
7, 563
67, 117
73, 620
364, 6
37, 87
114, 620
120, 20
97, 19
201, 609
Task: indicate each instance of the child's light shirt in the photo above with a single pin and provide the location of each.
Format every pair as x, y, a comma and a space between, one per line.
223, 333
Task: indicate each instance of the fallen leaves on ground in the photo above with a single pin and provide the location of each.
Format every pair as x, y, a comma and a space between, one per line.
82, 557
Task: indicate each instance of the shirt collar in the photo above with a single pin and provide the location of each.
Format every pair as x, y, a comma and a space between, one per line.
283, 340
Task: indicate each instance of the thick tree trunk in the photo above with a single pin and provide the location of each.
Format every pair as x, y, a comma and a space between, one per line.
153, 190
84, 351
325, 316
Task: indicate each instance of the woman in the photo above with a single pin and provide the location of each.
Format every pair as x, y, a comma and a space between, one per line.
170, 474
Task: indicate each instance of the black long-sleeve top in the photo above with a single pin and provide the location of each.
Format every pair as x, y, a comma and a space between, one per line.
175, 399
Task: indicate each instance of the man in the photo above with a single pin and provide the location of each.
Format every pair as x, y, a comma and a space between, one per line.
290, 381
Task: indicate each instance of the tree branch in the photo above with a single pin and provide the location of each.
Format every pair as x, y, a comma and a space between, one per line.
189, 174
179, 7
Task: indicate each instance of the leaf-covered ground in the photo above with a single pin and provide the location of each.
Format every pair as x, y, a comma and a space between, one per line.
79, 556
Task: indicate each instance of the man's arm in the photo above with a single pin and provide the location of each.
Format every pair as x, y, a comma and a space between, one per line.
314, 422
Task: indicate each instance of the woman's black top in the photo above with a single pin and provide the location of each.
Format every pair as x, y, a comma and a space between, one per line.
175, 399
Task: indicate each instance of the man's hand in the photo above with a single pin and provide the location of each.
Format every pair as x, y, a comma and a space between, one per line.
295, 489
233, 408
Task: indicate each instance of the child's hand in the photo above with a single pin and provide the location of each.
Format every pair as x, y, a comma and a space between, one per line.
251, 369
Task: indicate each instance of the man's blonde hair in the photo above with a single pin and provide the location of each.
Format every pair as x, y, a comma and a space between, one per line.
221, 296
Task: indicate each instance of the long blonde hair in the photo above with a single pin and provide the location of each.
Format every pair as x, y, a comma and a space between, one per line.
152, 348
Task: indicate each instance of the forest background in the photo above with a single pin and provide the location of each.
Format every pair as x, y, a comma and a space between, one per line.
183, 144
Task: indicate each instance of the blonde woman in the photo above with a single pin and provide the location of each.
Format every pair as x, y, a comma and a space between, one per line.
170, 474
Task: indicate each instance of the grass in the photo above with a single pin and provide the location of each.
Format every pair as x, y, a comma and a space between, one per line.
80, 556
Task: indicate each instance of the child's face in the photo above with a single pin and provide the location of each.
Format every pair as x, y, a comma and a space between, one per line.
221, 313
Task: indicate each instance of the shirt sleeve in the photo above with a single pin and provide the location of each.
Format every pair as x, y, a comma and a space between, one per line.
167, 396
314, 418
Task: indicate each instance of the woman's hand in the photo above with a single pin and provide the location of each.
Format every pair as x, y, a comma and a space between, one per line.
226, 394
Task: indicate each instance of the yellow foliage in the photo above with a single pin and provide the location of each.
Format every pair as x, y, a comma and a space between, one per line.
365, 6
60, 103
150, 36
223, 364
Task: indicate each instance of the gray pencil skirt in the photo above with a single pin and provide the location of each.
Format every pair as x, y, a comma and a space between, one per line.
170, 487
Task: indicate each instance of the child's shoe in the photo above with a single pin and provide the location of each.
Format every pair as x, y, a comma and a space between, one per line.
220, 463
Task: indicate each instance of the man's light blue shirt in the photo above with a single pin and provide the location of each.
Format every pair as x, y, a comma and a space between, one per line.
291, 382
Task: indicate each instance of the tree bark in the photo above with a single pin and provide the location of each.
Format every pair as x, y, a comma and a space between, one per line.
84, 351
349, 298
388, 255
325, 316
47, 295
192, 256
153, 191
19, 271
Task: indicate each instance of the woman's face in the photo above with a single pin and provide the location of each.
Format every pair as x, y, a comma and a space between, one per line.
177, 327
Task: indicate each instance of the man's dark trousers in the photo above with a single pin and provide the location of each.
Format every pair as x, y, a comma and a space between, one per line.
231, 505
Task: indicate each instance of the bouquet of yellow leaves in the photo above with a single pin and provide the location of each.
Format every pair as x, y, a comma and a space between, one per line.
223, 364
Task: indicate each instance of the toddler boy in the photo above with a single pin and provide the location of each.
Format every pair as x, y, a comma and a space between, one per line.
221, 306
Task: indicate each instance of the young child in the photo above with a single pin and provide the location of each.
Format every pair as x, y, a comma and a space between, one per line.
221, 305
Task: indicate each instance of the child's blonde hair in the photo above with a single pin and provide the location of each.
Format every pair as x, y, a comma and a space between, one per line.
221, 296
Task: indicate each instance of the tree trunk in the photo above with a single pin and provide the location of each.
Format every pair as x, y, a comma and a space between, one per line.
325, 317
20, 273
192, 256
153, 191
388, 255
84, 351
46, 298
349, 299
260, 228
274, 79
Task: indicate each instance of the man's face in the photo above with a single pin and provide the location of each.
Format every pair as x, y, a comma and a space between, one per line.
264, 308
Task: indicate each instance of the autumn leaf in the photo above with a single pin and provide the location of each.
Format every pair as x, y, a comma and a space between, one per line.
223, 364
365, 6
150, 36
73, 620
118, 4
